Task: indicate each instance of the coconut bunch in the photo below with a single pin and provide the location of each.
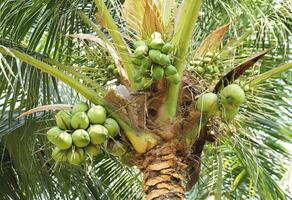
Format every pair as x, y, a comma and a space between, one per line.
153, 60
81, 132
208, 66
227, 102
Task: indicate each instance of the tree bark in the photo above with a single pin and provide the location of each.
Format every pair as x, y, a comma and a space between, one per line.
164, 172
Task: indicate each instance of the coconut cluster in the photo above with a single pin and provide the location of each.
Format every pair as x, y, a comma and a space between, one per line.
153, 60
81, 132
207, 66
228, 102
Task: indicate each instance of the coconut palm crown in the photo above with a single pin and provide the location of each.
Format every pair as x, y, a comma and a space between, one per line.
199, 111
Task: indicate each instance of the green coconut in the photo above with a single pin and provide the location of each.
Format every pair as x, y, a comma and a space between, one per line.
80, 121
232, 96
97, 115
92, 150
155, 35
170, 70
138, 43
80, 107
59, 155
156, 43
208, 103
98, 134
157, 72
117, 149
146, 63
207, 60
75, 156
53, 134
167, 48
112, 126
174, 78
63, 120
63, 141
141, 51
80, 138
164, 60
111, 68
155, 55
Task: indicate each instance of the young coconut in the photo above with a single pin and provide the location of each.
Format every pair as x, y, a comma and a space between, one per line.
59, 155
208, 103
63, 120
75, 156
157, 72
155, 35
92, 150
141, 51
80, 107
167, 48
155, 55
53, 134
98, 134
112, 126
156, 43
80, 138
146, 63
137, 61
174, 78
170, 70
63, 141
164, 60
232, 96
97, 115
80, 121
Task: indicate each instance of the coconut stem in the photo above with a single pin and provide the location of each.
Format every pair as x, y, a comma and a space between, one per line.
164, 173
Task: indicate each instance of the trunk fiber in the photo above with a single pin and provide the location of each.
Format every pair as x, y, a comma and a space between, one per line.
164, 172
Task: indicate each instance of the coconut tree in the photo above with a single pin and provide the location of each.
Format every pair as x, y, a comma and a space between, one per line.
197, 112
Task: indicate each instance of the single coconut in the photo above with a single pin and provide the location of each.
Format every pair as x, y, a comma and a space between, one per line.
75, 156
170, 70
146, 63
80, 107
156, 43
59, 155
208, 103
155, 35
167, 48
141, 51
112, 126
63, 120
92, 150
80, 121
111, 68
97, 114
98, 134
155, 55
63, 141
174, 78
232, 96
80, 138
157, 73
53, 134
164, 60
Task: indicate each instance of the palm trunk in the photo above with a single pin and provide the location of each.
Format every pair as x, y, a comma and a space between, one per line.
164, 172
